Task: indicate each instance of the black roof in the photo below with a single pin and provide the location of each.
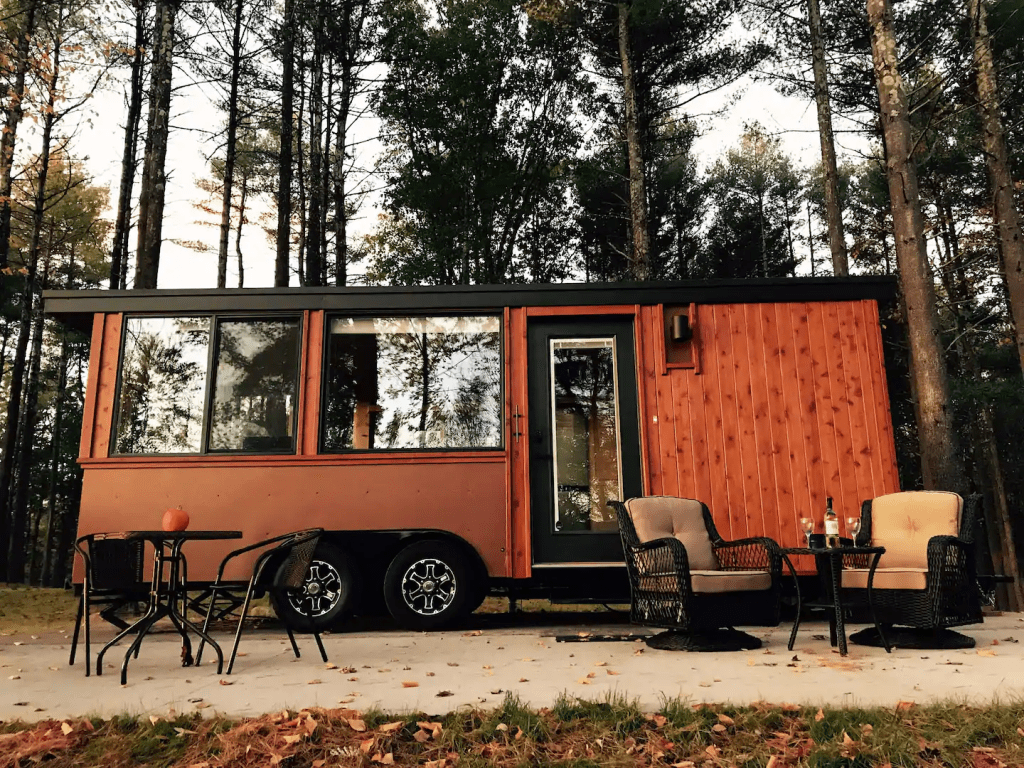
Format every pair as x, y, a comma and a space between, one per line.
77, 307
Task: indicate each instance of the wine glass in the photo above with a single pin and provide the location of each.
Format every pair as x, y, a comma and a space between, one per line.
807, 526
853, 528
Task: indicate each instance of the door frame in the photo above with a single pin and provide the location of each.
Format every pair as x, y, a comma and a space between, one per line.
578, 547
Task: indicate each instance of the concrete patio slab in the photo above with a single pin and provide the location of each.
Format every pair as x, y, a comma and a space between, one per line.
437, 672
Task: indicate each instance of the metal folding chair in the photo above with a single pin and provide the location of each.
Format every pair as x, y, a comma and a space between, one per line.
295, 553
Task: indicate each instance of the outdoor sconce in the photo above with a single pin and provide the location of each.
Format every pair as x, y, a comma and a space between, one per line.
681, 330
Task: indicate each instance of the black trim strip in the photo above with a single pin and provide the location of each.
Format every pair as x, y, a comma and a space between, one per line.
75, 307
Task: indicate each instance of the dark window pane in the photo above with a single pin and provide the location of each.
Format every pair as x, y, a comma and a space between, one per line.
163, 381
255, 385
413, 382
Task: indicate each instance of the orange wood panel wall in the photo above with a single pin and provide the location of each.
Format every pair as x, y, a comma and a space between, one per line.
790, 406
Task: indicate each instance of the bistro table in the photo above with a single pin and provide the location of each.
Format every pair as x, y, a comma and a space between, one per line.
829, 562
166, 595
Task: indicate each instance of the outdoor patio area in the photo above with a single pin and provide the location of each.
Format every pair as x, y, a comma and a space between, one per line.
400, 671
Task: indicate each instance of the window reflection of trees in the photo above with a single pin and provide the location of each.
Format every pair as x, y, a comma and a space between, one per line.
256, 379
163, 380
585, 435
413, 383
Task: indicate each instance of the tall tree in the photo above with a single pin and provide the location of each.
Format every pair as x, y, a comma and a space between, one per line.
830, 171
284, 187
129, 156
154, 174
939, 462
20, 27
1004, 206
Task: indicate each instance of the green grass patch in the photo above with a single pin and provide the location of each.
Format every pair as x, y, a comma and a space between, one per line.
574, 732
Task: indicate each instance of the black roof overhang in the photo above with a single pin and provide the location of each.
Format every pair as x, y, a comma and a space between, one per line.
76, 308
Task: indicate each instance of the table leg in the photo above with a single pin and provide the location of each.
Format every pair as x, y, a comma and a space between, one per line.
151, 615
871, 603
836, 566
136, 644
799, 601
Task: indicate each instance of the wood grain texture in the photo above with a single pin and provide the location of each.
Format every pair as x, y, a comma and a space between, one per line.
791, 407
106, 388
91, 387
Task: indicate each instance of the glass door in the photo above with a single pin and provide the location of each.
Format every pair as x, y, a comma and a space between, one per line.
584, 437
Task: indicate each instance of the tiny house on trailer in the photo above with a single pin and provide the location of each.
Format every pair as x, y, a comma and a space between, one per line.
455, 441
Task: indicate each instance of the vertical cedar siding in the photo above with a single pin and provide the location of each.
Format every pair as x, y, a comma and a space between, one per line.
791, 406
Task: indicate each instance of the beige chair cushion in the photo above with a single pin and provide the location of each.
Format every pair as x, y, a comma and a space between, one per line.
659, 517
710, 581
904, 522
730, 581
886, 578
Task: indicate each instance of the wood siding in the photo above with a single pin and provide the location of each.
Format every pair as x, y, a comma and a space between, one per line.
790, 406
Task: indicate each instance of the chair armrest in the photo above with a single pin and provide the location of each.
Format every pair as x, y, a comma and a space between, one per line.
662, 557
951, 559
293, 538
757, 553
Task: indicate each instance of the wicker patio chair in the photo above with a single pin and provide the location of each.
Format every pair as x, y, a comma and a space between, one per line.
926, 581
294, 552
685, 578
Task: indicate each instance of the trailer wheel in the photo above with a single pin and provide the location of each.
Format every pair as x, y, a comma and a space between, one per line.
427, 585
328, 591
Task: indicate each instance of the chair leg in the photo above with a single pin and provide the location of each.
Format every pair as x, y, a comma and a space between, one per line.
78, 627
206, 624
85, 616
241, 623
319, 642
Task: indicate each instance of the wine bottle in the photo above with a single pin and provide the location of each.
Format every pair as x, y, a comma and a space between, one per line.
831, 525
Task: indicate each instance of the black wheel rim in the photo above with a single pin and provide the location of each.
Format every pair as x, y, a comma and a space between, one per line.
429, 586
321, 590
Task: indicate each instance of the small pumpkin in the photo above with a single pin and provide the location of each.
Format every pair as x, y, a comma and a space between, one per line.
175, 519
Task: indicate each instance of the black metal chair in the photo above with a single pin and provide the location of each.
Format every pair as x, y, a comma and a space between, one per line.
926, 582
294, 551
113, 579
684, 577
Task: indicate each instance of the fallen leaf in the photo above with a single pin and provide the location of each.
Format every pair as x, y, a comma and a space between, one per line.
154, 719
867, 729
592, 675
366, 746
820, 716
847, 741
388, 727
718, 728
66, 728
442, 694
14, 677
421, 736
583, 681
388, 759
600, 663
330, 666
474, 633
612, 672
21, 703
496, 691
356, 725
904, 706
726, 720
204, 705
292, 739
986, 652
487, 666
410, 684
227, 682
772, 761
430, 674
313, 682
453, 663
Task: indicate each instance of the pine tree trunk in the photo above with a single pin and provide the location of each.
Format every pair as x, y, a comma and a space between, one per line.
301, 177
314, 262
939, 464
51, 491
154, 176
243, 194
640, 263
833, 211
341, 142
1004, 206
8, 138
231, 150
284, 162
123, 222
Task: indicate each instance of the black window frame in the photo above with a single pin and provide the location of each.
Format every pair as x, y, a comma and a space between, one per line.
324, 363
215, 319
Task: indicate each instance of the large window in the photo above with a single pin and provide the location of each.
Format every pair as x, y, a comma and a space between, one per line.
412, 383
166, 371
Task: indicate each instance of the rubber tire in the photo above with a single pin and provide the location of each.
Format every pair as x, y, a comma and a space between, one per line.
343, 564
455, 559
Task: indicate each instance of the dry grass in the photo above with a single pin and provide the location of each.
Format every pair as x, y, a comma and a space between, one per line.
26, 610
574, 732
